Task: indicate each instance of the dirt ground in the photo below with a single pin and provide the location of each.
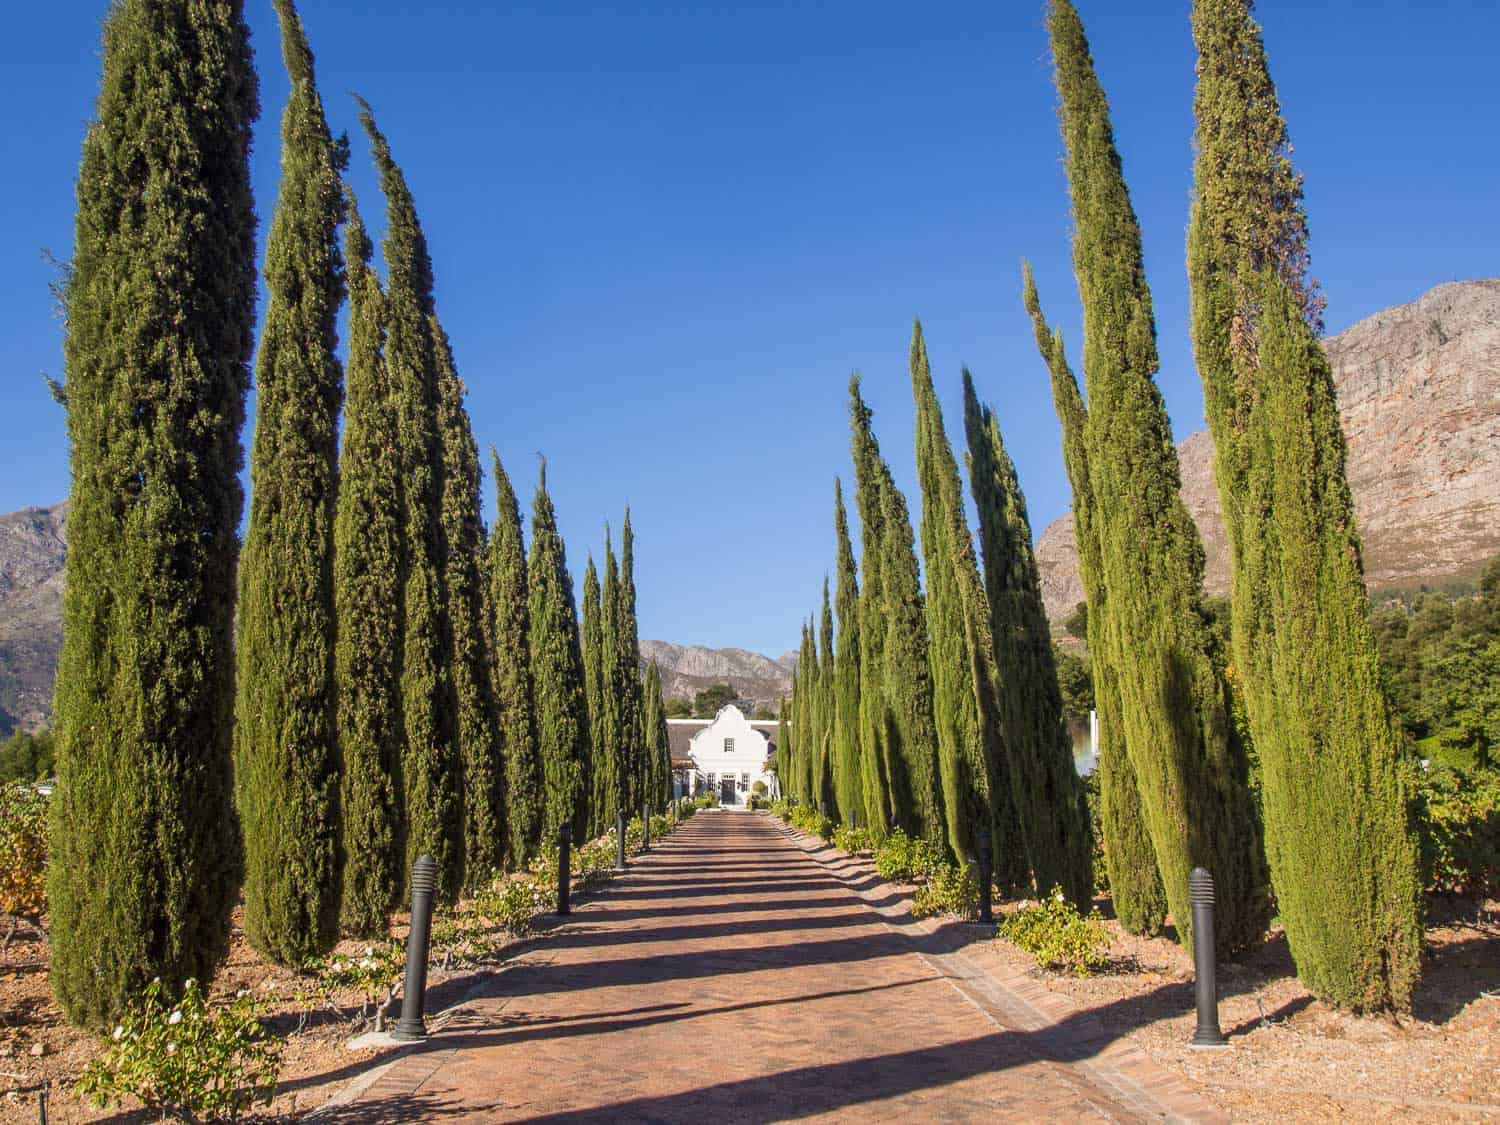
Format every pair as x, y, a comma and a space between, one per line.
1291, 1057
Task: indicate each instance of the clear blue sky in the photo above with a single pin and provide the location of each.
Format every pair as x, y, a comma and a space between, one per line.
664, 234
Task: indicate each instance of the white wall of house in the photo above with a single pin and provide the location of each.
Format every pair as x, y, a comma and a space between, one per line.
731, 747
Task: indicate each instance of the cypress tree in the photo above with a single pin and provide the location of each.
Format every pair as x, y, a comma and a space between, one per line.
1049, 798
431, 766
825, 710
971, 755
1135, 886
1189, 763
874, 715
463, 541
607, 778
145, 860
286, 759
656, 740
908, 677
509, 597
557, 673
1341, 849
367, 598
630, 756
847, 766
783, 750
593, 680
804, 718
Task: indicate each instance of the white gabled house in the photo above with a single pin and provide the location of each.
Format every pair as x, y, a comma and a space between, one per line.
727, 754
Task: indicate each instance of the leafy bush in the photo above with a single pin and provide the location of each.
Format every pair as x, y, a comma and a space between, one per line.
708, 799
906, 859
852, 840
783, 808
187, 1059
1458, 824
1096, 823
1058, 936
950, 889
661, 827
758, 789
27, 757
513, 904
372, 974
23, 852
811, 821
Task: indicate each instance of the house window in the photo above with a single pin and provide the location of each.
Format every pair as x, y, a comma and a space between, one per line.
744, 781
710, 779
729, 746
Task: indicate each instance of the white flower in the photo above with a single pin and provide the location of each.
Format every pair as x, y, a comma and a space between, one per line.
171, 1048
119, 1032
175, 1018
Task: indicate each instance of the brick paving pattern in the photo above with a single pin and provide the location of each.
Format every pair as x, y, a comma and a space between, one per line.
735, 975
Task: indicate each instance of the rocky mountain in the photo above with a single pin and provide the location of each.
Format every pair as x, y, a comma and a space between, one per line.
1419, 392
32, 544
688, 669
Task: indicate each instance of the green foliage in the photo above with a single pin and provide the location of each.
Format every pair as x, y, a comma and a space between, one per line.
431, 765
373, 974
286, 757
952, 891
712, 699
972, 754
1342, 852
515, 903
1458, 819
1058, 936
1075, 682
556, 673
511, 649
807, 819
848, 772
656, 741
367, 592
629, 750
1189, 765
874, 776
27, 757
1047, 796
23, 852
825, 713
187, 1059
160, 314
853, 840
477, 725
1077, 622
591, 641
679, 709
907, 859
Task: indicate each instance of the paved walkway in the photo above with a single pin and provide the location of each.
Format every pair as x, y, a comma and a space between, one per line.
732, 977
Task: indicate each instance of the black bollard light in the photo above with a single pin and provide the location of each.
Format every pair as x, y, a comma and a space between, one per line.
619, 840
1201, 893
986, 876
645, 824
424, 876
564, 867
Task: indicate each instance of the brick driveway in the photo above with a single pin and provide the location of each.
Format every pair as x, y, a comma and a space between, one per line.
731, 976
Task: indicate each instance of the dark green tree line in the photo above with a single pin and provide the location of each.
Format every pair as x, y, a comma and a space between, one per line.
592, 640
848, 777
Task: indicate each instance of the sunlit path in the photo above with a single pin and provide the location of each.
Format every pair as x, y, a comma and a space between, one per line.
731, 977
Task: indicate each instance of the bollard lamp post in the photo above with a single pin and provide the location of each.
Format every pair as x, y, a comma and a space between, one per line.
424, 875
1201, 894
985, 843
619, 839
564, 866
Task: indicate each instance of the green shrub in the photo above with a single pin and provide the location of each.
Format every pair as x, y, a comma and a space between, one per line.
949, 890
852, 840
758, 789
23, 852
189, 1059
372, 974
661, 827
27, 757
906, 859
709, 799
1458, 824
783, 808
513, 904
811, 821
1058, 936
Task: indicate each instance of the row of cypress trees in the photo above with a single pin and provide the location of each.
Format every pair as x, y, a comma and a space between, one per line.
402, 681
923, 712
1332, 837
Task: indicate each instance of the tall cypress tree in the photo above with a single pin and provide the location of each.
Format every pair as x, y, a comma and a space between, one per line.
431, 766
509, 598
367, 590
1135, 886
1341, 850
1049, 798
630, 756
848, 784
145, 859
1188, 760
876, 782
971, 756
607, 779
557, 673
463, 542
656, 740
825, 710
804, 716
908, 677
286, 760
593, 680
783, 750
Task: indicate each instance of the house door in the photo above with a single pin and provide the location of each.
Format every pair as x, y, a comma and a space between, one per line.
726, 791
